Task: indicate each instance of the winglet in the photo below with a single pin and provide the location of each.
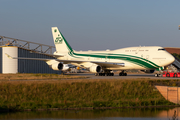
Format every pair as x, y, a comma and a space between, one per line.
8, 56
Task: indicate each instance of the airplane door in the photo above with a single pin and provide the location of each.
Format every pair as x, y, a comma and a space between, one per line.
147, 57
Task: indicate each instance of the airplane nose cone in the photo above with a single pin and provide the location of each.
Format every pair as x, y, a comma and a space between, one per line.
171, 59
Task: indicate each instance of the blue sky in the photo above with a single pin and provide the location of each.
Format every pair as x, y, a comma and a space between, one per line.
93, 24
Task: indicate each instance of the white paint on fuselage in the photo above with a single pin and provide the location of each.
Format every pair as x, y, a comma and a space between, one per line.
155, 54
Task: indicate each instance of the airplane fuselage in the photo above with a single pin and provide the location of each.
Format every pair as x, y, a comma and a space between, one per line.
139, 58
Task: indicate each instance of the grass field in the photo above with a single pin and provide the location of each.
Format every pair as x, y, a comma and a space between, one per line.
79, 93
32, 76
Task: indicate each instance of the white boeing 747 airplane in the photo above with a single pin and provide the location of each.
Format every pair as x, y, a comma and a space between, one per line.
104, 62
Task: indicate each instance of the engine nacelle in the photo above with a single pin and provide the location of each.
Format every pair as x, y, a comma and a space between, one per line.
59, 66
95, 68
148, 71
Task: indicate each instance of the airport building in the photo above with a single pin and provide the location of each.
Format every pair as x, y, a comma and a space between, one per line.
173, 50
21, 48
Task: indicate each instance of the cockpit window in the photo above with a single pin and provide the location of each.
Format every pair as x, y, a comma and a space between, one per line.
161, 49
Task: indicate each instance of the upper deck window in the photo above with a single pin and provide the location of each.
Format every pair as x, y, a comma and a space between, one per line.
161, 49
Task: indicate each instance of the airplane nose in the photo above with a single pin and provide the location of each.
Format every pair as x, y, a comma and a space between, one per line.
171, 59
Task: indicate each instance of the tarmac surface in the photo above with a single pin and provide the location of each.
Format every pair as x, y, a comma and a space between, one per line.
116, 76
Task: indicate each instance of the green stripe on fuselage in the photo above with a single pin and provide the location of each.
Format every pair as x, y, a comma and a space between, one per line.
133, 59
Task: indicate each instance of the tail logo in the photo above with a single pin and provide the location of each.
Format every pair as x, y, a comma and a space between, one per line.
58, 40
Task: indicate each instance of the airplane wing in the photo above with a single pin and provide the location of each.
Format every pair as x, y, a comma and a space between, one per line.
42, 59
45, 59
103, 64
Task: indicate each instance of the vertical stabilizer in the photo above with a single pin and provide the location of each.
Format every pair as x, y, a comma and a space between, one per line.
60, 42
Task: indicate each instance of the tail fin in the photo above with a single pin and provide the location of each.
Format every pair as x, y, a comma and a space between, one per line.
60, 42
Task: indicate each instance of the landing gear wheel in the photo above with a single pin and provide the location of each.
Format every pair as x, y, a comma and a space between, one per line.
158, 75
106, 73
122, 74
167, 75
175, 74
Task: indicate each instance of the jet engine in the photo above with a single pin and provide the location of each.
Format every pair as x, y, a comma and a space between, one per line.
95, 68
59, 66
148, 71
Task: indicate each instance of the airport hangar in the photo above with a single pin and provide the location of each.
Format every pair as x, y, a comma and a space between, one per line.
21, 48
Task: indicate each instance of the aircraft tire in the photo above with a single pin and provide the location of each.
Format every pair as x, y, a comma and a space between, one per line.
122, 74
175, 74
156, 75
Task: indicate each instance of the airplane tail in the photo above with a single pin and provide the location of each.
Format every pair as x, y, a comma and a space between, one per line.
60, 42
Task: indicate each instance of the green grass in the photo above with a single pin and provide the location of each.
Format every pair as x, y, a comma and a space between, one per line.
32, 76
80, 93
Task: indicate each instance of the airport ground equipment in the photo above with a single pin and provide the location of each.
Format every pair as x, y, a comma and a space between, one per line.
176, 63
173, 71
171, 74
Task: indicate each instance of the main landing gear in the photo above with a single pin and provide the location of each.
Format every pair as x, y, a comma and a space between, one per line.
110, 73
106, 73
122, 73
